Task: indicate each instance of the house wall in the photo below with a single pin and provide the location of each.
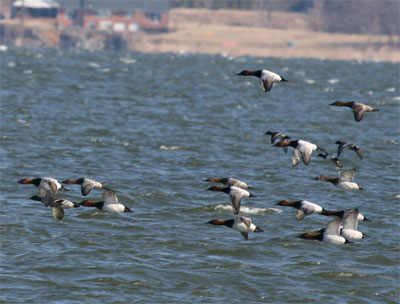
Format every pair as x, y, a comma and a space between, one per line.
118, 21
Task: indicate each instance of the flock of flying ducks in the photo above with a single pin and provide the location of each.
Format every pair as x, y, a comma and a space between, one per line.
334, 233
48, 188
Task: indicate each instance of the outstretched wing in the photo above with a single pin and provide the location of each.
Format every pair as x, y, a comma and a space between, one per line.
300, 215
58, 213
47, 197
109, 197
246, 221
245, 235
306, 154
358, 111
351, 220
347, 175
85, 189
358, 151
296, 157
235, 202
333, 228
341, 148
266, 85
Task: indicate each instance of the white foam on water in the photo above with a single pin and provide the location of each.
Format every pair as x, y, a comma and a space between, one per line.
171, 148
333, 80
248, 210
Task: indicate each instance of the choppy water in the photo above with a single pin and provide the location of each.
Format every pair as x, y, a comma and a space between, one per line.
153, 127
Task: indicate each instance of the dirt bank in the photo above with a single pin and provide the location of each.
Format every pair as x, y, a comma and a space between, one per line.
244, 33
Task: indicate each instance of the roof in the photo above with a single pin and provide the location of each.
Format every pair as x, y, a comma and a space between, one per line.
152, 6
36, 3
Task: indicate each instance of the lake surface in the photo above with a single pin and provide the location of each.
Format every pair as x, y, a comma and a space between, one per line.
153, 127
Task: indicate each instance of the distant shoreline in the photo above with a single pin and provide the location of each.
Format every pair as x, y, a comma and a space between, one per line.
230, 33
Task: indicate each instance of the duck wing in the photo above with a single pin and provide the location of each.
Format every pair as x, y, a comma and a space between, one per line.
358, 110
47, 197
337, 162
300, 215
296, 157
86, 187
306, 154
347, 175
235, 202
351, 220
246, 221
109, 197
58, 213
266, 85
341, 148
358, 151
333, 228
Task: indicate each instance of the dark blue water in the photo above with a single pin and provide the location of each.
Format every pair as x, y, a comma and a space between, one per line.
153, 127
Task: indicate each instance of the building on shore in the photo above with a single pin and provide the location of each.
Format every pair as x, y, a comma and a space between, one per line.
115, 15
34, 9
118, 16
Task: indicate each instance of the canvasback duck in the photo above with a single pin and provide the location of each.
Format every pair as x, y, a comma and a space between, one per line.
303, 208
278, 135
350, 223
87, 184
45, 184
267, 78
229, 181
57, 204
343, 213
302, 150
235, 193
109, 203
353, 147
358, 108
345, 180
330, 234
333, 158
240, 223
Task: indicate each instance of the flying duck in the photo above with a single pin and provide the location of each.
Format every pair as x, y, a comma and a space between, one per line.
353, 147
267, 78
45, 184
57, 204
302, 150
344, 181
235, 193
87, 184
303, 208
229, 181
358, 108
240, 223
330, 234
109, 203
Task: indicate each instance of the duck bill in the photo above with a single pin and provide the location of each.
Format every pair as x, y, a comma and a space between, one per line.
258, 229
